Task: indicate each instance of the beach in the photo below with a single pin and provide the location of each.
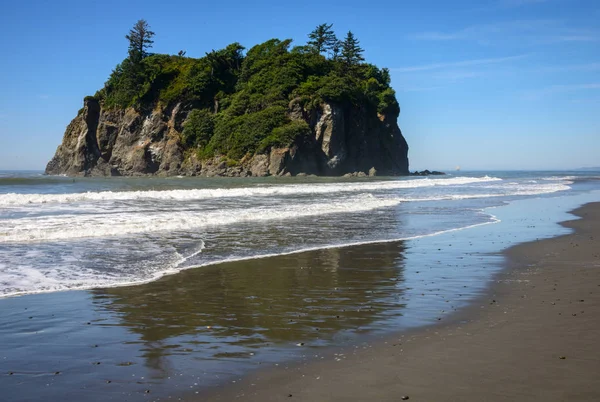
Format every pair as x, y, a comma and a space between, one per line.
374, 291
532, 337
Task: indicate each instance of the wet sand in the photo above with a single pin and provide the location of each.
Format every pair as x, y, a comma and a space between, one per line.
534, 337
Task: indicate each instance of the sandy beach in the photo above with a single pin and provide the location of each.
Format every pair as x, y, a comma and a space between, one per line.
532, 338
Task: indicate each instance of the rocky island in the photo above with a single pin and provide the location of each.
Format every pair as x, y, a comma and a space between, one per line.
273, 110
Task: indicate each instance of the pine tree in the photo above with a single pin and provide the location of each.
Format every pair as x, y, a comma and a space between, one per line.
336, 48
140, 40
351, 51
322, 39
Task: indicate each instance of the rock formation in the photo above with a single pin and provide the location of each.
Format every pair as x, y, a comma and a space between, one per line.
129, 142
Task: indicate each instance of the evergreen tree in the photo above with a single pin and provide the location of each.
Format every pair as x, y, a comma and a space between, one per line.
351, 51
140, 40
336, 48
322, 38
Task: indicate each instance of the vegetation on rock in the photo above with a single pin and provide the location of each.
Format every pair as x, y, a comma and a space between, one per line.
240, 101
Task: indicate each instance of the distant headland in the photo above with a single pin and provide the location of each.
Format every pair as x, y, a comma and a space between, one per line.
315, 109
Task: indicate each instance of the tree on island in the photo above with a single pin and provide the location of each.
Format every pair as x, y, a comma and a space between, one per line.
336, 48
140, 40
323, 39
351, 51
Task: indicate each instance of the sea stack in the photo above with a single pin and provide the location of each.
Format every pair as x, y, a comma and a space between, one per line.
270, 111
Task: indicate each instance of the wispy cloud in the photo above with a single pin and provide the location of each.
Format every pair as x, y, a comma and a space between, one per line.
43, 96
586, 101
539, 31
574, 87
558, 89
424, 88
575, 38
457, 64
519, 3
439, 36
582, 67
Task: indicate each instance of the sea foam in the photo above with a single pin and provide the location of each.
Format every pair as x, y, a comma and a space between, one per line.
15, 199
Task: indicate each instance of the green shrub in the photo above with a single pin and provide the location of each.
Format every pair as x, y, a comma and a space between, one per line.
284, 136
240, 101
388, 105
236, 136
198, 128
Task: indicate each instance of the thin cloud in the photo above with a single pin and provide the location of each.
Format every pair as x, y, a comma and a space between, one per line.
420, 89
575, 38
540, 31
557, 89
520, 3
43, 96
462, 63
568, 68
575, 87
586, 101
439, 36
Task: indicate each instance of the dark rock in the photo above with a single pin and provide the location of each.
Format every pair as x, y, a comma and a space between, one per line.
427, 173
130, 142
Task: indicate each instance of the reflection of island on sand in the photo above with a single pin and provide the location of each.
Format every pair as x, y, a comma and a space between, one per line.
230, 309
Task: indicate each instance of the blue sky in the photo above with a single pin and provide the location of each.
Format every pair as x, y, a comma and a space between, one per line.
490, 84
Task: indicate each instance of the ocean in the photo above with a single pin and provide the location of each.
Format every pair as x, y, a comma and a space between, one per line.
126, 286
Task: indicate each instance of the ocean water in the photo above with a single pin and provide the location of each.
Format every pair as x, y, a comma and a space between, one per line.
59, 233
113, 289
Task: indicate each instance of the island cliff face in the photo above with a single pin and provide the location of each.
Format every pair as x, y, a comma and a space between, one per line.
344, 140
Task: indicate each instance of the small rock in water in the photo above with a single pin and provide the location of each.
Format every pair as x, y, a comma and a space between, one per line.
405, 398
562, 357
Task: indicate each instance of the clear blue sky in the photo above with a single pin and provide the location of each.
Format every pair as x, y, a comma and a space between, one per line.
488, 84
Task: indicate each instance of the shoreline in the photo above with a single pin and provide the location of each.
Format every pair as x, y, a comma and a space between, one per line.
531, 336
493, 220
206, 331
